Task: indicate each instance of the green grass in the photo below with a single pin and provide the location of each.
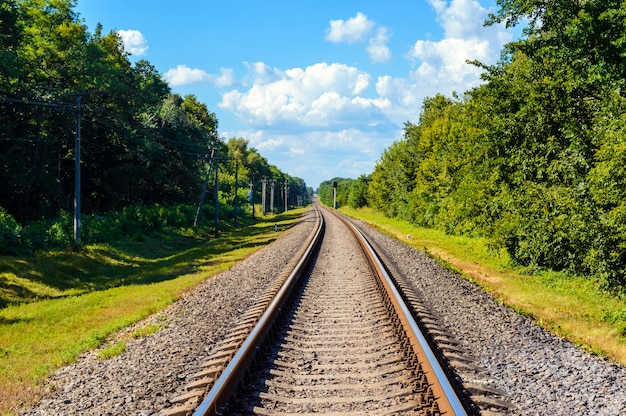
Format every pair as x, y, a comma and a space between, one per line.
55, 306
573, 307
112, 350
146, 330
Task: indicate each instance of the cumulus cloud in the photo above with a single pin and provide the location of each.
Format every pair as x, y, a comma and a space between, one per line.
260, 73
134, 42
444, 62
357, 29
352, 30
441, 66
338, 115
378, 50
327, 95
321, 154
265, 144
461, 19
225, 78
183, 75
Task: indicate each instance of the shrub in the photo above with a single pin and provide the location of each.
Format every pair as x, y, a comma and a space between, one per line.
49, 234
10, 233
133, 222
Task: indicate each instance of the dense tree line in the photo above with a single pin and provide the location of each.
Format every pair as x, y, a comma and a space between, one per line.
535, 157
251, 169
351, 192
141, 144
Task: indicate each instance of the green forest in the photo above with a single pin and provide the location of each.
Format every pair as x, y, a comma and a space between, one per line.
141, 145
535, 157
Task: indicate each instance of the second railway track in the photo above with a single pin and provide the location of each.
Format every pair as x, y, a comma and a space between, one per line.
338, 344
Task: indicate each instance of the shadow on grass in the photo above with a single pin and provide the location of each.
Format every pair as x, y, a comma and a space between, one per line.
12, 292
155, 259
10, 321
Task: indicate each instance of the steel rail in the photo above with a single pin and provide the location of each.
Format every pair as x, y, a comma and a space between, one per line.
446, 396
226, 385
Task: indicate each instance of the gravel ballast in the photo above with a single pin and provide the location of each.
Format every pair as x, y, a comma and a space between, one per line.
540, 373
152, 368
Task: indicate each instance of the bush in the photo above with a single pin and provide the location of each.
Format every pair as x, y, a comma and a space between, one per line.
10, 233
134, 222
551, 227
53, 234
99, 228
607, 259
137, 222
359, 192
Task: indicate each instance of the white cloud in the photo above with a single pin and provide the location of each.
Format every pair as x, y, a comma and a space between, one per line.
441, 66
225, 78
335, 120
465, 38
403, 96
461, 19
449, 57
134, 41
183, 75
319, 95
353, 30
357, 29
438, 5
378, 50
260, 73
268, 144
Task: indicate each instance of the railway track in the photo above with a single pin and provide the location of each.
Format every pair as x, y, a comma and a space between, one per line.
333, 336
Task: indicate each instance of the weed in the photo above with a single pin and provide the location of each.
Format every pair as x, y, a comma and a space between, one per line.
146, 330
112, 350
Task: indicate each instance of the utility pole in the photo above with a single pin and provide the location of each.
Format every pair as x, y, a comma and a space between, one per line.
213, 164
252, 197
236, 187
202, 195
79, 111
217, 205
263, 192
272, 185
286, 194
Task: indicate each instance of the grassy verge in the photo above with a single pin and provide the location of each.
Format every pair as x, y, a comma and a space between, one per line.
59, 305
571, 306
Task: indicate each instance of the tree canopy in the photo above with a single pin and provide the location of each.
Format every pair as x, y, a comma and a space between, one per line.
534, 158
140, 142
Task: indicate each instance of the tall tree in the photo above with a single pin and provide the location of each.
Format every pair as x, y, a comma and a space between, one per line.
533, 157
10, 34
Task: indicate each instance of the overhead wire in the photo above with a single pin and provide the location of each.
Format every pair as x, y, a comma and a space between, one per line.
110, 126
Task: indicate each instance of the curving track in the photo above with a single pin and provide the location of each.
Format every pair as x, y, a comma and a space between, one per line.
339, 343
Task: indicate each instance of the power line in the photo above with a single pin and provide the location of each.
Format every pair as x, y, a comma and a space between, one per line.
60, 106
101, 122
78, 109
146, 138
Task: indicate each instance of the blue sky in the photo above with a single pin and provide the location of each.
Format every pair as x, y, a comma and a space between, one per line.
319, 88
